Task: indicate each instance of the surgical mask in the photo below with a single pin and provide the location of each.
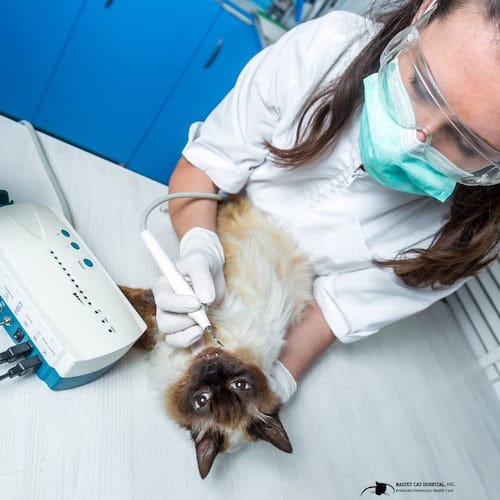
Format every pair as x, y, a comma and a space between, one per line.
394, 156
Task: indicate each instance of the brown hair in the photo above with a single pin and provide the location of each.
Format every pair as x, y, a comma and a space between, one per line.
469, 239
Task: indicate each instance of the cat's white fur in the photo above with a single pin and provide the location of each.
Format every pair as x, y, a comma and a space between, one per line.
268, 284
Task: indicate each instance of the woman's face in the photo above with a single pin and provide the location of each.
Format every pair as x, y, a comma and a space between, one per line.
463, 54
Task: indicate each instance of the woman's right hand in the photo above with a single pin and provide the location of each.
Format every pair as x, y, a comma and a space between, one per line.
201, 263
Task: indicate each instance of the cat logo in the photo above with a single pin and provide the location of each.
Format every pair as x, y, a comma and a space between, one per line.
380, 488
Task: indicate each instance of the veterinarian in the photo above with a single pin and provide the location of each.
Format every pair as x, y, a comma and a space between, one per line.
375, 147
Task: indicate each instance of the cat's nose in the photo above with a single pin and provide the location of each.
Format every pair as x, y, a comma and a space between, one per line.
212, 366
212, 369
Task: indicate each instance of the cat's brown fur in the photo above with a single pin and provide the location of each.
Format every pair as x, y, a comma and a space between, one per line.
144, 303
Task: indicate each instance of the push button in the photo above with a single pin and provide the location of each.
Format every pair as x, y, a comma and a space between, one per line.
76, 246
88, 262
65, 233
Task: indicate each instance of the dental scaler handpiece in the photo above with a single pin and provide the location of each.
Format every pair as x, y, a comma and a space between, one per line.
177, 282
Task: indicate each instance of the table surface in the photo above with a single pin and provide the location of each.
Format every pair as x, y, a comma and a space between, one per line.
406, 405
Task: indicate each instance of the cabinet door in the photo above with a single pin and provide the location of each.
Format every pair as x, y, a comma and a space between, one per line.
212, 73
121, 61
32, 37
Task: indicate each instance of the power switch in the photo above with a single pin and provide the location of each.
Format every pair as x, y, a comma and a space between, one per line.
18, 335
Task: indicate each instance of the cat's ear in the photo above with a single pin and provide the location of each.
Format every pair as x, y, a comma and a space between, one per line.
207, 449
271, 429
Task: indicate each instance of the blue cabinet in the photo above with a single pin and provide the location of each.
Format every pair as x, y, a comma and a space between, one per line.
117, 67
229, 44
123, 78
32, 38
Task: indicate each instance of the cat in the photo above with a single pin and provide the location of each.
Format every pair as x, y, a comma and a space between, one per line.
221, 395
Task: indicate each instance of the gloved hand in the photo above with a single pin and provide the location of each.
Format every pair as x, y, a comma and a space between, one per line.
282, 382
201, 262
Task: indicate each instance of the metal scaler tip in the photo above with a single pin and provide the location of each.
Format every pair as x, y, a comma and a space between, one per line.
210, 330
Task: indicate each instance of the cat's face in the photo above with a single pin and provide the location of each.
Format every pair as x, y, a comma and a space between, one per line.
223, 398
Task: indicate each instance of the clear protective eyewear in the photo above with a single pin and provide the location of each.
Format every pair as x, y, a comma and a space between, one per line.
478, 160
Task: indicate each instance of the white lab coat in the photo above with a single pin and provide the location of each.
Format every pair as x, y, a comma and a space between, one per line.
339, 216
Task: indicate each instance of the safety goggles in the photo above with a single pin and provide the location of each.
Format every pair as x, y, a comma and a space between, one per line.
417, 103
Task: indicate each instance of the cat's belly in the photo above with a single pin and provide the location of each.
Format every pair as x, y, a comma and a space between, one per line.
268, 282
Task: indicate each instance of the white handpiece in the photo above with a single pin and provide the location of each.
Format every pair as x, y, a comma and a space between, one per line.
177, 282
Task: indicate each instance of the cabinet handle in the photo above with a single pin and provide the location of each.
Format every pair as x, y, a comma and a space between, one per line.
214, 54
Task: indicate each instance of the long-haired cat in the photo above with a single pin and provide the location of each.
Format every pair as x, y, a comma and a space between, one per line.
221, 395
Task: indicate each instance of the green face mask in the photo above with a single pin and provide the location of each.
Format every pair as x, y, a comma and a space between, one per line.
393, 155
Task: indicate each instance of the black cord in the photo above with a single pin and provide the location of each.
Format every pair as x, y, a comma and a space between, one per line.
22, 368
15, 352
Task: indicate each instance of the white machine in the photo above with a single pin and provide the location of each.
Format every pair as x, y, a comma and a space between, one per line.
58, 301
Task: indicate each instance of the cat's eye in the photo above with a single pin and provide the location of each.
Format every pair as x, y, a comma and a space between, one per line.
200, 400
241, 384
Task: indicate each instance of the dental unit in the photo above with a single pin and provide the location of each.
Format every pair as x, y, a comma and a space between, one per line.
67, 319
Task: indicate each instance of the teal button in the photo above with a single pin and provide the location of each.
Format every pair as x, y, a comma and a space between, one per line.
65, 233
76, 246
88, 262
